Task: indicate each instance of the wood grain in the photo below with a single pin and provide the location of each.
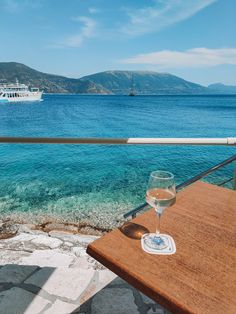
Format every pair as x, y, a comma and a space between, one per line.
200, 277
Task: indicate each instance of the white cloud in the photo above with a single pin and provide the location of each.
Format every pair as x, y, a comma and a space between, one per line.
196, 57
161, 14
87, 31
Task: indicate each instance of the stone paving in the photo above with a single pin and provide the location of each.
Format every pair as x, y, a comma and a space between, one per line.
50, 273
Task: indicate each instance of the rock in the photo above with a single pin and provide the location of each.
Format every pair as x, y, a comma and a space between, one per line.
15, 273
74, 238
86, 239
64, 236
23, 237
50, 258
68, 244
64, 282
61, 227
27, 228
39, 232
31, 226
91, 231
7, 230
17, 300
47, 241
114, 300
61, 307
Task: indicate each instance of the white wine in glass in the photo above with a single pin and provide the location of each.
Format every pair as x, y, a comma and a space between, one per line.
160, 195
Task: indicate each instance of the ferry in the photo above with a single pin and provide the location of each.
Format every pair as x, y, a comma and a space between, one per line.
18, 93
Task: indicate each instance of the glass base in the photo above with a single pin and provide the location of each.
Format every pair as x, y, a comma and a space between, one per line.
155, 241
152, 243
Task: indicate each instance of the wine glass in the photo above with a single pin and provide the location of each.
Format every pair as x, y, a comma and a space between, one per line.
160, 194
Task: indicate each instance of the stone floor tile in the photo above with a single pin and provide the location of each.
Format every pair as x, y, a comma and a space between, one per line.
146, 299
13, 258
83, 263
105, 277
68, 243
118, 282
15, 273
114, 300
79, 251
156, 311
50, 258
21, 238
86, 239
74, 238
42, 240
19, 301
61, 307
64, 236
63, 282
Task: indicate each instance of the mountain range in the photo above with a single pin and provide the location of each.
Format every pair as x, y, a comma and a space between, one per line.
109, 82
222, 88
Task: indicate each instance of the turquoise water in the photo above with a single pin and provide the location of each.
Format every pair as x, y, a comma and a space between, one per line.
96, 184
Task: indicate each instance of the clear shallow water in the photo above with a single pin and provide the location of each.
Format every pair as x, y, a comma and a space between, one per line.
99, 183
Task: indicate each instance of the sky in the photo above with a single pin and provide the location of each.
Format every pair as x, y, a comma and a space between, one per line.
193, 39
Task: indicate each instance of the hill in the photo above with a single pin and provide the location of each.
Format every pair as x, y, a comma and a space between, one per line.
145, 83
109, 82
223, 89
49, 83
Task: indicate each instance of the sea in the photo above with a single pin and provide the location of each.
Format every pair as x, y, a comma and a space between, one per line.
97, 184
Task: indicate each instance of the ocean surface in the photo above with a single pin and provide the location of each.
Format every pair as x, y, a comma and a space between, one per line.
96, 184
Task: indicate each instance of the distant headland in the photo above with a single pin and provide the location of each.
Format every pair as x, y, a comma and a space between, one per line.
109, 82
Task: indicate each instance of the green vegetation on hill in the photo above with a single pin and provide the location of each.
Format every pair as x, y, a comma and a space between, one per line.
49, 83
109, 82
145, 83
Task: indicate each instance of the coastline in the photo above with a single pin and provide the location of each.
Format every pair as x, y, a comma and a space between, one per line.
11, 226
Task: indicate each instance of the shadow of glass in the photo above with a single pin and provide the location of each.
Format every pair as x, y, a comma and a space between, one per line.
133, 230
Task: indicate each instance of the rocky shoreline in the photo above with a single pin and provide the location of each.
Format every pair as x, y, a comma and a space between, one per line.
9, 228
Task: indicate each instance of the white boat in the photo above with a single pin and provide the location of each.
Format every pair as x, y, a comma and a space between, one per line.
18, 93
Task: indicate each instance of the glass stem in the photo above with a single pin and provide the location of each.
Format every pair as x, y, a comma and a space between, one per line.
158, 224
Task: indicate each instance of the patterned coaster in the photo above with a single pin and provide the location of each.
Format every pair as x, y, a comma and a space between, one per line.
170, 249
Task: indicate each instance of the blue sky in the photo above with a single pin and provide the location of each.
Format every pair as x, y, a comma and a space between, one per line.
194, 39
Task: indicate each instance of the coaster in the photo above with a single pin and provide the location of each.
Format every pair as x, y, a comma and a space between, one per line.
169, 250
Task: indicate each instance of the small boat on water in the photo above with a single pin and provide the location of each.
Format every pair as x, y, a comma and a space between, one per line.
18, 93
131, 93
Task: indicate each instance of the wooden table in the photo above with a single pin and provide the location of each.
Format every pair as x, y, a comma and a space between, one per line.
201, 276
